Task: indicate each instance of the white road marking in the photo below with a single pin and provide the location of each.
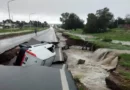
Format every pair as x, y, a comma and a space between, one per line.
63, 67
60, 54
64, 80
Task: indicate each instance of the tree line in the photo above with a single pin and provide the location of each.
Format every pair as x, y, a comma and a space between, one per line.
71, 21
97, 22
22, 24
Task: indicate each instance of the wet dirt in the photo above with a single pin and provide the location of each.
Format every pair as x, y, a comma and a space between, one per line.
80, 42
7, 56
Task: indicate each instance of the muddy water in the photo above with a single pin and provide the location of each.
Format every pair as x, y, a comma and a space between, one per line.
90, 74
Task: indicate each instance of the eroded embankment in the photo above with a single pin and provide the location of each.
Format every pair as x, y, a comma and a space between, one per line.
6, 57
79, 42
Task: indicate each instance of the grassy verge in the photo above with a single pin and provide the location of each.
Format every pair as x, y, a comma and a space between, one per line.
126, 75
80, 86
115, 34
17, 29
125, 60
73, 36
77, 31
18, 34
110, 45
102, 44
125, 64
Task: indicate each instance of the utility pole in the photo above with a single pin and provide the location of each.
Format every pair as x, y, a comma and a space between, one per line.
12, 20
30, 19
37, 22
9, 10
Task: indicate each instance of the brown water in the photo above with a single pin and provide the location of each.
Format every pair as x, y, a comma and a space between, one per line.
90, 74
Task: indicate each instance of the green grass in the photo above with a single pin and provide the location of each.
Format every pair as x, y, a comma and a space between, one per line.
125, 60
110, 45
77, 31
17, 29
80, 86
73, 36
19, 33
126, 75
125, 63
115, 34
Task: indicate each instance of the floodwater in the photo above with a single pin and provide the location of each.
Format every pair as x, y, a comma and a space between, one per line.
90, 74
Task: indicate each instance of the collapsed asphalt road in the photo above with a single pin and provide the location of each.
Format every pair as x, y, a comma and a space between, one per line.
8, 47
56, 77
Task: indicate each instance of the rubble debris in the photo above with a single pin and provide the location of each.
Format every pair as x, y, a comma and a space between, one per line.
113, 83
80, 61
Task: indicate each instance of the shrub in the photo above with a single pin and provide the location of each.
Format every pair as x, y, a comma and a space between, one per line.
107, 40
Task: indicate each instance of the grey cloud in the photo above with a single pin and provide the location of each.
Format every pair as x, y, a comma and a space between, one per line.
54, 8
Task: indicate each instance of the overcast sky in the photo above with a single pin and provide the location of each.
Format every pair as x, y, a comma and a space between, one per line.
50, 10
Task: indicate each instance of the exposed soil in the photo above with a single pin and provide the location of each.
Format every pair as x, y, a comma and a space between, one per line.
8, 55
116, 81
80, 86
80, 42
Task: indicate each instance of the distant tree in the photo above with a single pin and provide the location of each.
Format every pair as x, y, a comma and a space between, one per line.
71, 21
104, 17
35, 23
7, 20
120, 21
17, 22
45, 24
127, 19
64, 17
98, 22
22, 23
91, 26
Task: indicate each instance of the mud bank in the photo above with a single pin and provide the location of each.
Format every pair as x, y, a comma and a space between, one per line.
6, 57
79, 42
116, 81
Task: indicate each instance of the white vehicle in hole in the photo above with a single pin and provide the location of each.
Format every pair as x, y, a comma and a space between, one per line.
39, 54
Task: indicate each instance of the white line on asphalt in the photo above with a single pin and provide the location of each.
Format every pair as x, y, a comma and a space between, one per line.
63, 67
64, 80
60, 54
